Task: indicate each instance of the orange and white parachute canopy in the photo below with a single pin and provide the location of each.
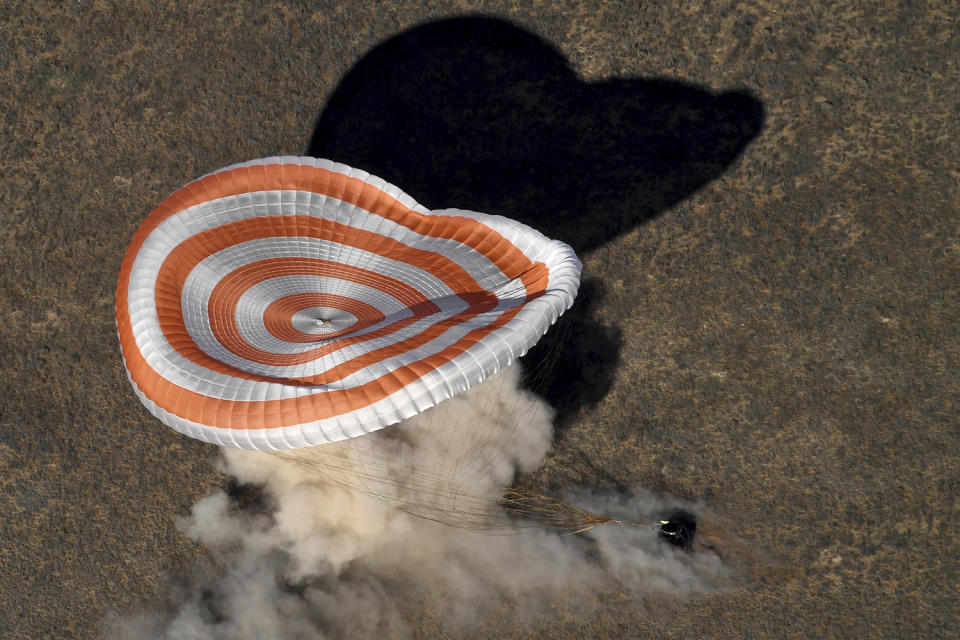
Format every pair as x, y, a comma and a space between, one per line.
288, 302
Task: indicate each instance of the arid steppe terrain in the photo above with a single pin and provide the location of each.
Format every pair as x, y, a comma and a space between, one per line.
765, 196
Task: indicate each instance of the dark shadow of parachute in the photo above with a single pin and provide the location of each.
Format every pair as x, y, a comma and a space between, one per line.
480, 114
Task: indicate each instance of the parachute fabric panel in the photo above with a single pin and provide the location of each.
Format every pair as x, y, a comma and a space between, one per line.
289, 302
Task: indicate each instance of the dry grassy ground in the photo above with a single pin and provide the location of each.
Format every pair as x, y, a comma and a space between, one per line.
770, 319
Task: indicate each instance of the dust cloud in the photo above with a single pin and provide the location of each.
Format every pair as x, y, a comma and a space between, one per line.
317, 558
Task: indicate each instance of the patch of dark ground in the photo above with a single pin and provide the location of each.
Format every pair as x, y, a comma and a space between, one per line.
779, 323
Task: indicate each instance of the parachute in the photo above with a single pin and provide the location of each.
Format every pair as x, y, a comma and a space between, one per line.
300, 306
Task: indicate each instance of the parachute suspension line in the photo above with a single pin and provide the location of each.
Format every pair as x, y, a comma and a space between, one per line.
518, 509
451, 477
556, 515
536, 377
